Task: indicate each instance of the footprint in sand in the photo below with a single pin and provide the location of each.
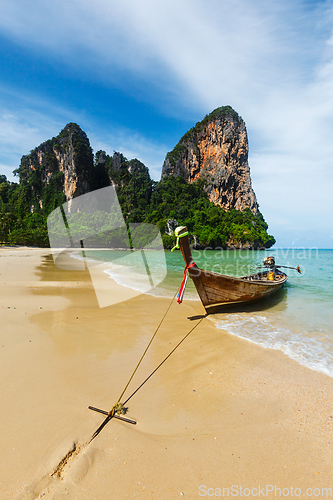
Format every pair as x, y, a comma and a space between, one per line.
69, 471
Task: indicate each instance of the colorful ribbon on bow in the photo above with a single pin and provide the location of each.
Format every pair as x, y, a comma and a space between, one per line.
183, 285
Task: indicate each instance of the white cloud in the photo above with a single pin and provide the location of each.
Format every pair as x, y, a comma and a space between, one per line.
24, 124
212, 48
17, 137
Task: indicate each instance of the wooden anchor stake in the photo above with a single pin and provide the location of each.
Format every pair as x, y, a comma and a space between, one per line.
109, 415
112, 416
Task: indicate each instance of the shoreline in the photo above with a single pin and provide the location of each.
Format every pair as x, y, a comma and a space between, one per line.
221, 411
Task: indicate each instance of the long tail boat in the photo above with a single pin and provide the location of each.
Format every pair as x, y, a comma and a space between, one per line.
216, 290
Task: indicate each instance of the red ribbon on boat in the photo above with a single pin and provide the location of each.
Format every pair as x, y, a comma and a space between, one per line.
183, 285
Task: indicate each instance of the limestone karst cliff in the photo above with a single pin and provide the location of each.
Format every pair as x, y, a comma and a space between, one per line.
216, 151
62, 165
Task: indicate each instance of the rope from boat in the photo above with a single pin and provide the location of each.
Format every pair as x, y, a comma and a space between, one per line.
164, 360
179, 300
120, 406
144, 353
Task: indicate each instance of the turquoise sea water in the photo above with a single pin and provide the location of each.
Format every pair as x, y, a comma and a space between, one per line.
297, 320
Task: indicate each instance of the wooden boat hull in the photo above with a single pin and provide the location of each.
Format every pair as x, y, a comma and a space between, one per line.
217, 290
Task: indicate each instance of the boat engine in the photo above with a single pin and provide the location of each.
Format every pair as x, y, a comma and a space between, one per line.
270, 263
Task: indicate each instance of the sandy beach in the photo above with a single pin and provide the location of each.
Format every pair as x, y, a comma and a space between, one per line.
221, 413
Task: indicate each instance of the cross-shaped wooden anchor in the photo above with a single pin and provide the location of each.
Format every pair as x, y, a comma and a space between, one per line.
109, 415
112, 416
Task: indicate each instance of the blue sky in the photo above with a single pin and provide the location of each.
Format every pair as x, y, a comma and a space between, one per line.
136, 75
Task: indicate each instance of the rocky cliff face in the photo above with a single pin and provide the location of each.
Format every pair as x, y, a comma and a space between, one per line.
216, 151
131, 176
63, 164
64, 167
117, 162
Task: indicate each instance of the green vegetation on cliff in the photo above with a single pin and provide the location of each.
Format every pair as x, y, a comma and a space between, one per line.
188, 204
134, 185
18, 225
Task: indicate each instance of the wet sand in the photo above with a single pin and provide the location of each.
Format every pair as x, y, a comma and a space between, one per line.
220, 412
